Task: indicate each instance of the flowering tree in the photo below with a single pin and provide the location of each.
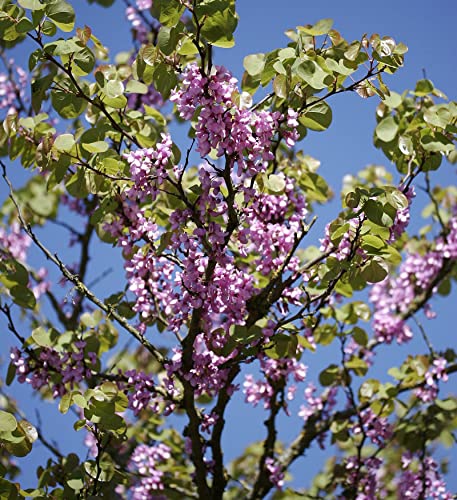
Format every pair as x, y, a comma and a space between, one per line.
224, 294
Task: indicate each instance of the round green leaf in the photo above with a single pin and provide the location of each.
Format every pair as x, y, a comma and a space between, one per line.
386, 129
254, 63
374, 271
7, 422
64, 142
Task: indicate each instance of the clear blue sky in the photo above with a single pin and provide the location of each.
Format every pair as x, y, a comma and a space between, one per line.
429, 31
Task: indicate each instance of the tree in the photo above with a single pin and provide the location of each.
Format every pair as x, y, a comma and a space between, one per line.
224, 293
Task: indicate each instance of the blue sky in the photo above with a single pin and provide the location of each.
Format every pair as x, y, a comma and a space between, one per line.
426, 28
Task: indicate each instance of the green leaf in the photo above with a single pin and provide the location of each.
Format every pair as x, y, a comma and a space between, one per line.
169, 12
372, 243
39, 88
405, 145
79, 400
167, 39
65, 403
353, 51
218, 28
280, 86
374, 211
62, 13
368, 389
77, 184
360, 336
64, 142
42, 337
16, 274
423, 88
67, 105
118, 102
24, 25
164, 80
329, 375
23, 297
48, 28
438, 116
446, 404
275, 183
136, 87
315, 187
10, 374
322, 27
158, 117
393, 100
7, 422
357, 365
84, 61
387, 129
437, 143
149, 54
374, 271
96, 147
31, 4
114, 88
398, 200
317, 117
352, 199
254, 64
282, 346
311, 73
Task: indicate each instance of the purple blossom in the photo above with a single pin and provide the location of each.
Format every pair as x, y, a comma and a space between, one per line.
376, 428
423, 481
393, 297
402, 217
14, 242
12, 90
144, 462
229, 128
344, 248
54, 369
274, 371
437, 371
275, 472
365, 476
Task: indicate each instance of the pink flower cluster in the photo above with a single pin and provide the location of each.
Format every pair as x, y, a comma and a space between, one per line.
376, 428
14, 242
174, 282
227, 127
276, 473
54, 369
393, 297
427, 482
140, 390
436, 372
402, 217
207, 374
365, 476
343, 249
271, 224
275, 371
149, 169
11, 90
144, 462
